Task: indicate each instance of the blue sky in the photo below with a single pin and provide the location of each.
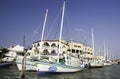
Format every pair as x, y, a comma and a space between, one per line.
25, 17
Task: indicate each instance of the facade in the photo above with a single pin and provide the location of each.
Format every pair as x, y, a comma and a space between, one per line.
50, 47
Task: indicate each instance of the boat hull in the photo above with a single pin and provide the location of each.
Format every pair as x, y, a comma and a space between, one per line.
29, 65
54, 67
107, 64
96, 65
5, 65
47, 66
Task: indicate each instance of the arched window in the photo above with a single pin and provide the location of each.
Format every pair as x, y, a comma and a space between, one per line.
45, 52
53, 52
38, 44
53, 45
46, 44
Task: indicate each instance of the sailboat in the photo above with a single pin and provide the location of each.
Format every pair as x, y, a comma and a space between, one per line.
34, 62
95, 63
106, 61
28, 60
46, 66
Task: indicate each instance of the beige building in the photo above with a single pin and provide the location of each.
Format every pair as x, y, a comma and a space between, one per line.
50, 47
80, 48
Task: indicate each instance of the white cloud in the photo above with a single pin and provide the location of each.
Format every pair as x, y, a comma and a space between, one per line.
80, 30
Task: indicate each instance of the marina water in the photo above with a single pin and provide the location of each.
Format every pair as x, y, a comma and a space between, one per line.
108, 72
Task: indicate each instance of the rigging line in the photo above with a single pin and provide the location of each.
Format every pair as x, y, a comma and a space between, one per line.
67, 26
66, 32
53, 24
35, 32
56, 33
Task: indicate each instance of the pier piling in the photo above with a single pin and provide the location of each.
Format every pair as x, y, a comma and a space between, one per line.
23, 66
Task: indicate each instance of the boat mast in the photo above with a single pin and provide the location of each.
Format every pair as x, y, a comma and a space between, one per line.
107, 51
61, 27
104, 51
24, 40
93, 43
43, 29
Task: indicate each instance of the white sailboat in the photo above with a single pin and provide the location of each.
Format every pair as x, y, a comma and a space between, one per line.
30, 63
48, 66
106, 61
56, 66
95, 63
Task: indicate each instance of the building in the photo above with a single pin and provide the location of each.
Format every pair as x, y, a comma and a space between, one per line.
50, 47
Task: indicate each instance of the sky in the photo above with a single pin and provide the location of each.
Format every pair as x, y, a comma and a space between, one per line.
19, 18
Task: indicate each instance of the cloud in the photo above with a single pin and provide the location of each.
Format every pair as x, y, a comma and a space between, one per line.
80, 30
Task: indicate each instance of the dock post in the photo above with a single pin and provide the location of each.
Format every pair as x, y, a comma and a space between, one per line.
23, 66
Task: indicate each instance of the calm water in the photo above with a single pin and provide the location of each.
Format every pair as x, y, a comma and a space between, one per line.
109, 72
